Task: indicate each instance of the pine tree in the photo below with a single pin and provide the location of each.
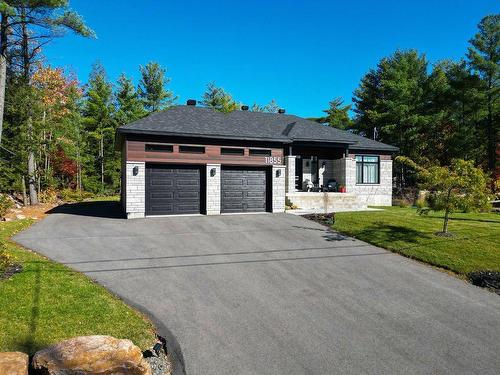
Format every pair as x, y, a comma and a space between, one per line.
100, 125
484, 58
152, 88
453, 106
271, 107
218, 99
337, 115
129, 106
390, 101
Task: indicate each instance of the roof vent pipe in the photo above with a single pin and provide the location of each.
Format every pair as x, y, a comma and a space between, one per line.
244, 108
191, 102
281, 110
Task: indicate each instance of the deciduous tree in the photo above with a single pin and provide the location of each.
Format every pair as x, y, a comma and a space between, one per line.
30, 25
459, 187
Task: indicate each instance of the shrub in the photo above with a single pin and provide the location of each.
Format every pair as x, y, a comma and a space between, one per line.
403, 203
289, 205
48, 196
421, 203
69, 195
5, 205
496, 188
5, 258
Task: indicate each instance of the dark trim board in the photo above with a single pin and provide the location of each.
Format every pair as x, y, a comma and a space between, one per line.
173, 189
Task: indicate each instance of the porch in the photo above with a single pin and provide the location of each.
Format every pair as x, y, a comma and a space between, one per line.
331, 178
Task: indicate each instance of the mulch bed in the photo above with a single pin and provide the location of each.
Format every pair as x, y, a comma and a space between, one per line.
10, 271
486, 279
325, 219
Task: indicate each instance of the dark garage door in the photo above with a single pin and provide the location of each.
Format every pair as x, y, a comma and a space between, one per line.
172, 189
243, 190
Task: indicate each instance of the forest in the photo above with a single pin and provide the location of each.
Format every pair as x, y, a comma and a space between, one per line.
58, 134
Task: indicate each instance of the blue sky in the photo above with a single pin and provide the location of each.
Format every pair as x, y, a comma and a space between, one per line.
301, 53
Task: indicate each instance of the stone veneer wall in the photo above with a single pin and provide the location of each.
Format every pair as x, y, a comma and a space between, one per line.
370, 194
290, 173
278, 187
135, 190
213, 190
326, 202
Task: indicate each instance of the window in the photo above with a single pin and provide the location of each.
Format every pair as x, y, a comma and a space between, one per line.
192, 149
367, 169
259, 152
158, 148
232, 151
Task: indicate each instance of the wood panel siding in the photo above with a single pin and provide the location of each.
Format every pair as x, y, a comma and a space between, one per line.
136, 151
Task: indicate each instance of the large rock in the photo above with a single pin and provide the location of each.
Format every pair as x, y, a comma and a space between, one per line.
13, 363
92, 355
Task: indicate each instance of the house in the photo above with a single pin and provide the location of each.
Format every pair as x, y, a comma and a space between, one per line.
194, 160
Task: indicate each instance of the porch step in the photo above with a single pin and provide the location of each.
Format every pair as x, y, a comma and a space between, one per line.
326, 202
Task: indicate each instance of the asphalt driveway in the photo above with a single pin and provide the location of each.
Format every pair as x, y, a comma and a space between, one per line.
278, 294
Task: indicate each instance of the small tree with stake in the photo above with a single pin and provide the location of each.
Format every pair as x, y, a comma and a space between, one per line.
460, 187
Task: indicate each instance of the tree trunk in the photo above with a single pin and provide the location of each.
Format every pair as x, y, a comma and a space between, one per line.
26, 73
39, 181
101, 154
31, 165
3, 68
25, 47
446, 219
491, 136
23, 188
31, 178
447, 212
78, 169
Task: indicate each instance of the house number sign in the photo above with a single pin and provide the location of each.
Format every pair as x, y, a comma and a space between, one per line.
273, 159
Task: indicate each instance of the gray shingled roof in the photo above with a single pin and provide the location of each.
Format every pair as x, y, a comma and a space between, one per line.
195, 121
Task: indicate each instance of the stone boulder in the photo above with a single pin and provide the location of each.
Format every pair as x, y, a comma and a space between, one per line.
14, 363
92, 355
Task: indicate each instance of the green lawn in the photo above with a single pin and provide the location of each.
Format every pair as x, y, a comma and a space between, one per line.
474, 246
47, 302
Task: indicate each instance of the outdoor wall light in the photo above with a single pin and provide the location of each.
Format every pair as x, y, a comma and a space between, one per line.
135, 170
213, 171
278, 172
